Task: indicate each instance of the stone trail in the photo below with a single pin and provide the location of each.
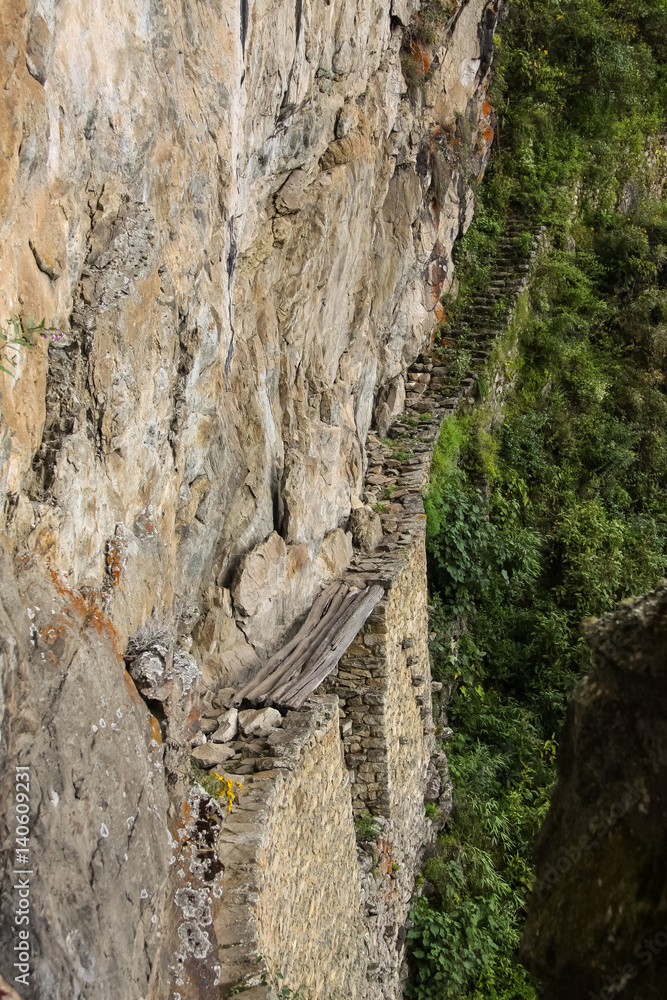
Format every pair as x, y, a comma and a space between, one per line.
381, 717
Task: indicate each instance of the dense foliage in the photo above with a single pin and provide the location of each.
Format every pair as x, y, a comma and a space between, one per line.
558, 511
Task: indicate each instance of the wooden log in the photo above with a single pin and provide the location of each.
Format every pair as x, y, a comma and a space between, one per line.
321, 636
325, 658
293, 664
318, 610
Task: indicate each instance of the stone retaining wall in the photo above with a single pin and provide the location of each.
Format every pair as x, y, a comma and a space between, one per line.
383, 683
292, 880
330, 916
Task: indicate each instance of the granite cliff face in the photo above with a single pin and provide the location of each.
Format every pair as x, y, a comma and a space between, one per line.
241, 219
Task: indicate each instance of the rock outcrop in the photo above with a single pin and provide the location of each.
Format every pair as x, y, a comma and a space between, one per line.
597, 923
241, 220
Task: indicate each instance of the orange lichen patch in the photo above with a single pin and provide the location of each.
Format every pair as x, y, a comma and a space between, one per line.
179, 826
486, 108
131, 689
156, 732
487, 135
115, 553
421, 55
86, 606
77, 604
439, 311
57, 629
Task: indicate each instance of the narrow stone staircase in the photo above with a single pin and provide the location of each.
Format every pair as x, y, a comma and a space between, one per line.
399, 466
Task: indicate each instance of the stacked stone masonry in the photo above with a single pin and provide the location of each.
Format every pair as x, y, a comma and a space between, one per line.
291, 879
335, 919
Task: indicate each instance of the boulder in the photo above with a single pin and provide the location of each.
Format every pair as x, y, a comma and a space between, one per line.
260, 721
223, 698
211, 754
366, 528
228, 725
598, 909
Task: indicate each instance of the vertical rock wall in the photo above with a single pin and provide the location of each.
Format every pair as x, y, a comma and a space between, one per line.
241, 219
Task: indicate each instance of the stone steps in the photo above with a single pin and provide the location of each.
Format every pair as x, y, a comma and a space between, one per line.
393, 483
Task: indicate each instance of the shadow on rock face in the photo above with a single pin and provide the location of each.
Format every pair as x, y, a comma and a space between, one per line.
597, 920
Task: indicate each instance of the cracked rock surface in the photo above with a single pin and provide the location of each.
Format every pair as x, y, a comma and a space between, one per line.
229, 214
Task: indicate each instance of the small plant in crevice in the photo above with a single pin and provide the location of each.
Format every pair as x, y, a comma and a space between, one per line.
227, 789
219, 787
275, 980
413, 71
365, 827
431, 809
432, 17
523, 244
456, 359
499, 308
158, 630
21, 332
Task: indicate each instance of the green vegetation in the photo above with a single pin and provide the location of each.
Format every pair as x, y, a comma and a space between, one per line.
558, 512
219, 787
457, 359
365, 827
21, 332
275, 981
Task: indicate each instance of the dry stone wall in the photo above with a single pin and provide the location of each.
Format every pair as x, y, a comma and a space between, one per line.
381, 758
291, 881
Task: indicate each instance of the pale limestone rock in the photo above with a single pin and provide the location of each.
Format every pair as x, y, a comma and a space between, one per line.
223, 345
225, 652
212, 753
277, 582
390, 403
290, 197
223, 697
208, 725
228, 725
366, 528
260, 721
39, 49
334, 556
